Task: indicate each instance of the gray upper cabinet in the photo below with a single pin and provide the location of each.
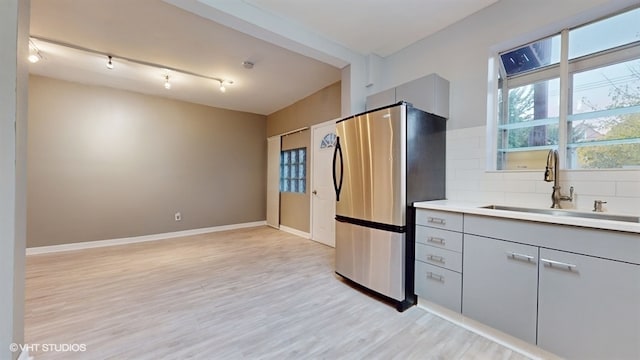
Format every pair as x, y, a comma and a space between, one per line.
429, 93
589, 308
381, 99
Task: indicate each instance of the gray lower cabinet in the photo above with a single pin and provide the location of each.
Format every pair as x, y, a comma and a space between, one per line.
438, 258
500, 285
439, 285
589, 308
572, 291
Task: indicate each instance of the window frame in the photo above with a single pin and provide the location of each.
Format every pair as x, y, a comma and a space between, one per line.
500, 84
298, 163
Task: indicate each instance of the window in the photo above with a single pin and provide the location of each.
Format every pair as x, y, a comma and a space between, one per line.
597, 85
293, 170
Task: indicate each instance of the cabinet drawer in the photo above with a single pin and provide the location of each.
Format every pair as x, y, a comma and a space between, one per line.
439, 219
440, 257
441, 286
443, 239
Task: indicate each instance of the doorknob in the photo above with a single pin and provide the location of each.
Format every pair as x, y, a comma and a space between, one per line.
314, 192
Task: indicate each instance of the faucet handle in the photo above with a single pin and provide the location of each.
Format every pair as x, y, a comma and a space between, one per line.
597, 205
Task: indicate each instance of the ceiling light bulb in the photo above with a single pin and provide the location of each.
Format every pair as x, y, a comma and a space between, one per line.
167, 84
110, 63
34, 53
222, 88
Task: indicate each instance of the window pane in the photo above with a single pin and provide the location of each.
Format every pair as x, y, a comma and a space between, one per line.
293, 170
532, 56
605, 34
525, 160
609, 156
302, 155
534, 101
607, 87
531, 125
604, 127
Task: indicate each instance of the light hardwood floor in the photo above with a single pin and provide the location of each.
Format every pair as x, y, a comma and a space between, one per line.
253, 293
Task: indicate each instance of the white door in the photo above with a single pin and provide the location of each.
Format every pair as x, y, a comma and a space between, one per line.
323, 196
273, 181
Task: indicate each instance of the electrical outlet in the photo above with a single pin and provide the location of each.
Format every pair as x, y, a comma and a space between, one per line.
178, 216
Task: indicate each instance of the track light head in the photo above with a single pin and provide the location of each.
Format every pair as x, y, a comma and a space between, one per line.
34, 53
110, 63
167, 84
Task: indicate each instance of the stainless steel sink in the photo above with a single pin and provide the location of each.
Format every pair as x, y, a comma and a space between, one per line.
557, 212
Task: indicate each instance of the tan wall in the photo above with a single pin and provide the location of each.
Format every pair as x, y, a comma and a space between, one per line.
106, 163
317, 108
295, 207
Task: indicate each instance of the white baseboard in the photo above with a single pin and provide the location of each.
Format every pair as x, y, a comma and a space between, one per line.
520, 346
297, 232
137, 239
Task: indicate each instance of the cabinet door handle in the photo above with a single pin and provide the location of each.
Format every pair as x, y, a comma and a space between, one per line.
436, 240
435, 258
433, 220
436, 277
518, 256
553, 263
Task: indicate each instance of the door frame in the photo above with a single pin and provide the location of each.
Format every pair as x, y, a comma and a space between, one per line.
312, 180
272, 213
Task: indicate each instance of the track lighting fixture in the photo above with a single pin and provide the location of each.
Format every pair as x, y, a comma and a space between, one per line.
34, 56
34, 53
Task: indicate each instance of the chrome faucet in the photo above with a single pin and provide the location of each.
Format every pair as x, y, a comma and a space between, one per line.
551, 173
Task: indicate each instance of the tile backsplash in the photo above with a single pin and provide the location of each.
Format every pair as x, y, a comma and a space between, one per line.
468, 180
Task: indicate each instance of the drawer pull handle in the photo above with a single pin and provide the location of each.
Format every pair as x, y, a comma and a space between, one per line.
436, 277
435, 258
518, 256
436, 240
436, 220
553, 263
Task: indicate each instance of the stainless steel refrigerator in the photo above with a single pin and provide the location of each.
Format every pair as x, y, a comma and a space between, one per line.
384, 161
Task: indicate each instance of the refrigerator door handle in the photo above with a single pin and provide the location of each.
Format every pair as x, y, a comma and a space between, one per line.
337, 185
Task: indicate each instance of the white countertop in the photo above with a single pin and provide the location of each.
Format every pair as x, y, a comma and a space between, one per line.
476, 208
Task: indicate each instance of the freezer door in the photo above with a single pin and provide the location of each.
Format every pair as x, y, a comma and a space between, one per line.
372, 258
373, 164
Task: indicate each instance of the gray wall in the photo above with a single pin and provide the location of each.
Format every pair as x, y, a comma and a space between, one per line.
14, 32
107, 163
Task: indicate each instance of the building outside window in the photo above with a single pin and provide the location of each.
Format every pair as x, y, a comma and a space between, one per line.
293, 170
578, 92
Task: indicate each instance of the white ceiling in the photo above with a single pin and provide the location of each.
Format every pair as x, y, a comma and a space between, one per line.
298, 47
